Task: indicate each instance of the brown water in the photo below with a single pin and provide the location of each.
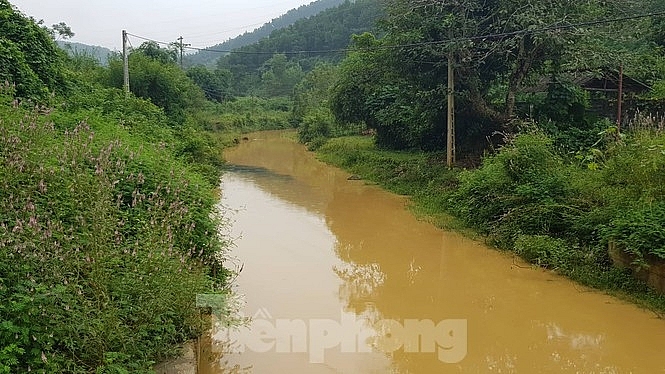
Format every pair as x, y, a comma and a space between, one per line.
326, 258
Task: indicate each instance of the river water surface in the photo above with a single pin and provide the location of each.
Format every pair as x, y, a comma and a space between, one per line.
335, 270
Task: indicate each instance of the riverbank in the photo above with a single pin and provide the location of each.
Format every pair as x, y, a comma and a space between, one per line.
528, 200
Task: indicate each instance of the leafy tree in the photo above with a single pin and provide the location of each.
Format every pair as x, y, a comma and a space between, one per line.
154, 75
313, 92
215, 85
61, 30
360, 76
506, 59
280, 76
370, 91
28, 56
496, 47
157, 53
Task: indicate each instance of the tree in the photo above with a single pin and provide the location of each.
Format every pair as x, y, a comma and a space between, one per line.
28, 56
313, 92
490, 40
359, 78
280, 76
155, 52
215, 85
165, 84
497, 46
62, 30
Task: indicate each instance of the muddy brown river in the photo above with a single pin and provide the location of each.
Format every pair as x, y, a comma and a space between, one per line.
339, 277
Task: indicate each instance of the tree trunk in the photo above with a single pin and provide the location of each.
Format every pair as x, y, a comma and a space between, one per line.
522, 67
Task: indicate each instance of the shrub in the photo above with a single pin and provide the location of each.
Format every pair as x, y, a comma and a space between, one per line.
247, 114
28, 56
543, 250
316, 125
639, 231
104, 242
523, 189
637, 167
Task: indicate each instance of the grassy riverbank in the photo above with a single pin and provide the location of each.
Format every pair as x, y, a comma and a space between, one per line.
553, 211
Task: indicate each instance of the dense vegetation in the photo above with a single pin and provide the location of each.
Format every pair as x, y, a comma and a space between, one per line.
260, 87
107, 200
329, 30
209, 58
108, 207
394, 82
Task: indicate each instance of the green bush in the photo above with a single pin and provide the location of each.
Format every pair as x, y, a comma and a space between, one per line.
639, 231
28, 56
248, 114
543, 250
315, 125
637, 167
401, 172
105, 239
523, 189
164, 84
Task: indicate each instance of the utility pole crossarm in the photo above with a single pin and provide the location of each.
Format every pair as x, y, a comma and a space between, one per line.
182, 48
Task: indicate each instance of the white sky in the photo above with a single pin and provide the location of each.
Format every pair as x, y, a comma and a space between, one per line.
201, 23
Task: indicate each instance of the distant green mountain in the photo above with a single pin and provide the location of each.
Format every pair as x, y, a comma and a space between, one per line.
289, 18
306, 42
101, 54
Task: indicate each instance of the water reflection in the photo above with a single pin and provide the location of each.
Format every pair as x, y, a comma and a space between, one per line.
317, 246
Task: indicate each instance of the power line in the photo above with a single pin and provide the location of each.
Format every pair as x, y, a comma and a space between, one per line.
427, 43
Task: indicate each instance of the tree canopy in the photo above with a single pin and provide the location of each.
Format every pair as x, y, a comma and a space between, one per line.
397, 83
28, 57
154, 75
330, 30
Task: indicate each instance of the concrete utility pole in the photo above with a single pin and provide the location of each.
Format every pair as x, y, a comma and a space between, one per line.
620, 100
125, 62
450, 143
182, 47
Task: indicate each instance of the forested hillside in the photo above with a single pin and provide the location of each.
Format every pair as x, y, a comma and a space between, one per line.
329, 31
210, 58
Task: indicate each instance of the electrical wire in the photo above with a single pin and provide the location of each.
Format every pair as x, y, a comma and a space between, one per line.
503, 35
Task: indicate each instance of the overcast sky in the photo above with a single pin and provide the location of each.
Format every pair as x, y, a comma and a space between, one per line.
200, 22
